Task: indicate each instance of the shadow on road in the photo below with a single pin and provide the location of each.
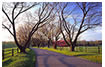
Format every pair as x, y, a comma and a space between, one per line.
47, 58
85, 54
53, 54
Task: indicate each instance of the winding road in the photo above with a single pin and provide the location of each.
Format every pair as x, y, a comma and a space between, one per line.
47, 58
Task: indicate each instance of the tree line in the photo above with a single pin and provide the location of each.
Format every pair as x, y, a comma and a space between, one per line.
89, 43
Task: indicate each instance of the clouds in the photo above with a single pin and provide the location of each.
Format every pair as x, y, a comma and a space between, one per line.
95, 34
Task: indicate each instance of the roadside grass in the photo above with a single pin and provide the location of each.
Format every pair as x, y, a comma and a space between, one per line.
20, 60
94, 57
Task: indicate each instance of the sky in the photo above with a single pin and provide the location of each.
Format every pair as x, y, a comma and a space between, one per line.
92, 35
89, 35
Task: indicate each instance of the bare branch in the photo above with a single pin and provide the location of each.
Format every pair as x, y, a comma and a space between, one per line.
18, 12
85, 29
7, 29
29, 8
15, 5
6, 15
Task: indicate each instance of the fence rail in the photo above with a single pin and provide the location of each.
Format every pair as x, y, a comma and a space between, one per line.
93, 49
90, 49
9, 52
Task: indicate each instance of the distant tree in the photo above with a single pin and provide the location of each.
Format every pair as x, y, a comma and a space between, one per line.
48, 32
83, 16
35, 42
57, 33
84, 42
97, 42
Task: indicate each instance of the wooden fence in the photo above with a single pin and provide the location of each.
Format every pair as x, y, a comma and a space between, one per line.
90, 49
9, 53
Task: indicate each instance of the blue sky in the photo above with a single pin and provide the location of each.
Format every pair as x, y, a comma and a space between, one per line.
93, 35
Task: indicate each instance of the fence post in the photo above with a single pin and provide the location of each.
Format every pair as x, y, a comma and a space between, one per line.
3, 53
12, 52
85, 48
99, 49
78, 49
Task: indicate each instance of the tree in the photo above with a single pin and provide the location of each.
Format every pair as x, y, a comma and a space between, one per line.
22, 33
84, 16
16, 9
41, 40
48, 32
43, 15
57, 33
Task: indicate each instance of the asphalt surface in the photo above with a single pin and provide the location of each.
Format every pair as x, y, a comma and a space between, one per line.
47, 58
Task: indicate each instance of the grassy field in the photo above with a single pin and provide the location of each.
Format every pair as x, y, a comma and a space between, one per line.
90, 49
8, 45
20, 60
94, 57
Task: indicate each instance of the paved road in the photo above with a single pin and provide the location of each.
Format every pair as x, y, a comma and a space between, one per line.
47, 58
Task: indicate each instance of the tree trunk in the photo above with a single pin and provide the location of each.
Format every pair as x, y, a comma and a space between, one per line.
28, 45
55, 46
22, 50
73, 48
48, 43
38, 45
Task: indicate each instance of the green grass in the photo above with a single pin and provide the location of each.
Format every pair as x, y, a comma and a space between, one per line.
8, 45
20, 60
94, 57
90, 49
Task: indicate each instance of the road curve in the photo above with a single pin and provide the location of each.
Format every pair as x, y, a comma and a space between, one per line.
47, 58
